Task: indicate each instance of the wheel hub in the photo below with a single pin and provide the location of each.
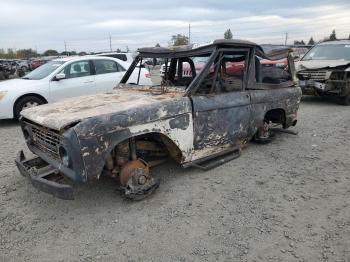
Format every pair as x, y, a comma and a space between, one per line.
29, 105
136, 180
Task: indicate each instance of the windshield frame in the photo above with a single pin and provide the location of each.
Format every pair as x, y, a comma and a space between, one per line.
305, 57
43, 67
210, 51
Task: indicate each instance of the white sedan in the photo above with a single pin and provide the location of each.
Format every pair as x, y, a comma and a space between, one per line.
64, 78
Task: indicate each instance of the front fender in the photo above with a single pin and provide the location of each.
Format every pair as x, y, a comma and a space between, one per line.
96, 144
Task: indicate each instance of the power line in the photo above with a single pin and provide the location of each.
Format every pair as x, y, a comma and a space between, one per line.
285, 41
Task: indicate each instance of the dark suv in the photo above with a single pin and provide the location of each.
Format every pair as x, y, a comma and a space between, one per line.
325, 70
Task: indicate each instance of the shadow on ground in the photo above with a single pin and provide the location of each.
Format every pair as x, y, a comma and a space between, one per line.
318, 100
8, 123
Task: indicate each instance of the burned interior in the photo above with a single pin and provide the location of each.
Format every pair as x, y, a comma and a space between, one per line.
209, 103
223, 71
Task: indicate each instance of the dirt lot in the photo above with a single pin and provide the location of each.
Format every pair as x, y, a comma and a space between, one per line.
286, 201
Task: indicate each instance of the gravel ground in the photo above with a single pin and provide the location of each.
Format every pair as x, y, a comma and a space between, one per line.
286, 201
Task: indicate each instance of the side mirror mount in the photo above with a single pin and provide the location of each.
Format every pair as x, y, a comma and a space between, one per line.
60, 76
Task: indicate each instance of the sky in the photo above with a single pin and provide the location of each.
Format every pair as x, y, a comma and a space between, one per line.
85, 25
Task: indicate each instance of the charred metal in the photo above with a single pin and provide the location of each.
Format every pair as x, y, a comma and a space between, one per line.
202, 116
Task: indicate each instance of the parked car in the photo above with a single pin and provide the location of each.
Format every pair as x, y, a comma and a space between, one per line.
199, 63
63, 78
325, 70
5, 70
279, 66
35, 63
200, 121
23, 65
126, 57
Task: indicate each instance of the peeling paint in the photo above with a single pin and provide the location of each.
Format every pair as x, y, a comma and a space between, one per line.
197, 126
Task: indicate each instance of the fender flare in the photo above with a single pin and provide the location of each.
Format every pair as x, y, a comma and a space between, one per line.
95, 163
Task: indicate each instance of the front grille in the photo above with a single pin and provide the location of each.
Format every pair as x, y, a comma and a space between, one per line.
46, 140
312, 75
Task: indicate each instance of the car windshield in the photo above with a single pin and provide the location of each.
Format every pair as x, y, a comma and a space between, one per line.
43, 71
329, 52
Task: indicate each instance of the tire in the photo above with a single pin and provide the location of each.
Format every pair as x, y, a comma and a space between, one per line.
24, 68
20, 73
26, 102
2, 76
345, 100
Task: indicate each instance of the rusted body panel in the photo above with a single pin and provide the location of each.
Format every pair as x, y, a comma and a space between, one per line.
286, 99
87, 136
222, 119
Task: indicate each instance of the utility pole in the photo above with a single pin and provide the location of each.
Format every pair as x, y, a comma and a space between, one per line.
110, 42
65, 47
189, 34
285, 41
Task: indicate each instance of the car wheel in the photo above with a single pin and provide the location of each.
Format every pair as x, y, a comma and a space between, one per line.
24, 68
264, 135
26, 102
2, 76
345, 100
20, 73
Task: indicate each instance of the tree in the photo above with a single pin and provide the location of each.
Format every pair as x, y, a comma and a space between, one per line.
26, 53
179, 40
157, 45
228, 34
50, 52
296, 42
65, 53
333, 36
119, 50
311, 41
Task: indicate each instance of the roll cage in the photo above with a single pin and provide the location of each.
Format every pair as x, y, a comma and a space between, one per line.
213, 51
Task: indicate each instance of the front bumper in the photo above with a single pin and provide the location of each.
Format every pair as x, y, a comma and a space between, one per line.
325, 87
43, 176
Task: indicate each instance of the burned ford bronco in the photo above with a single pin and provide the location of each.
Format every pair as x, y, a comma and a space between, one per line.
325, 71
212, 100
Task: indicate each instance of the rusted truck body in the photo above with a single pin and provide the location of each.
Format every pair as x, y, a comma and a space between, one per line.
202, 119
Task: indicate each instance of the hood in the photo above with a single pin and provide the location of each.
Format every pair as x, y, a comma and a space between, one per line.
17, 83
67, 112
319, 64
